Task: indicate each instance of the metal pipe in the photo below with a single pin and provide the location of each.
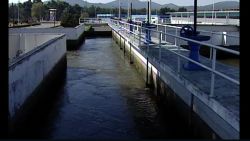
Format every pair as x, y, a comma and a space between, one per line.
213, 14
131, 11
149, 11
195, 15
119, 9
160, 36
213, 76
148, 21
128, 14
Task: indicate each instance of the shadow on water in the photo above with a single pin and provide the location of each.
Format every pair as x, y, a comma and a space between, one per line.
102, 97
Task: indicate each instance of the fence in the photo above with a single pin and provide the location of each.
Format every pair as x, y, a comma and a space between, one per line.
160, 42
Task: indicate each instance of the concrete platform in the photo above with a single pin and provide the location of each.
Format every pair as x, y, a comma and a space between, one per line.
221, 112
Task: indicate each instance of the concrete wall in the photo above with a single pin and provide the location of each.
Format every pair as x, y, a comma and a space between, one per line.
19, 44
29, 70
72, 33
166, 83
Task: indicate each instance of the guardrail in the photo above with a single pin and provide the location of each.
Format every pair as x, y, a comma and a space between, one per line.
137, 36
92, 20
217, 38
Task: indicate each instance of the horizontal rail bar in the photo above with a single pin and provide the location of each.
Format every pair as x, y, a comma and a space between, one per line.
194, 41
177, 27
210, 69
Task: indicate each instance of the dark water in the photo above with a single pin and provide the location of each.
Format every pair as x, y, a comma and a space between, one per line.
104, 97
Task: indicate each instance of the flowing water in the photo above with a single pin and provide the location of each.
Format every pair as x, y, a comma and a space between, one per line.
104, 97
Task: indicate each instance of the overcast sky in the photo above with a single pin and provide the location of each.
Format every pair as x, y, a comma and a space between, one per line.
177, 2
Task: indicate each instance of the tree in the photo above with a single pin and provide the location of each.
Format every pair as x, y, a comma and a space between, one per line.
182, 9
164, 10
84, 15
37, 10
60, 6
12, 12
27, 10
69, 18
37, 1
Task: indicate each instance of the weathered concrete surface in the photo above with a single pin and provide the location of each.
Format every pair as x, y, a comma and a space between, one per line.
72, 33
45, 25
20, 44
220, 114
28, 71
98, 31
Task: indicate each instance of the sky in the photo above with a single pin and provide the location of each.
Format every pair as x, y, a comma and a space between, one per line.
177, 2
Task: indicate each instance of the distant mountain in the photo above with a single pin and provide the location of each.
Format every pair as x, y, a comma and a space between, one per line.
137, 4
217, 6
171, 5
73, 2
222, 5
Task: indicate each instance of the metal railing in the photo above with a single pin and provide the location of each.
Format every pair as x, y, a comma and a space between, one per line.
224, 35
92, 20
224, 39
137, 36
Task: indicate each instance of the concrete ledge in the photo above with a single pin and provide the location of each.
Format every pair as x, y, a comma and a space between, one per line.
166, 84
34, 105
25, 25
75, 44
74, 35
29, 71
98, 33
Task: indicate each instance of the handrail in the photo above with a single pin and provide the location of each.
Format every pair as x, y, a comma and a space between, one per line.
186, 39
231, 11
211, 32
125, 27
216, 72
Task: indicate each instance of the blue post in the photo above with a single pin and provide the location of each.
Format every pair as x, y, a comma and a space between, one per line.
194, 55
188, 32
131, 26
148, 36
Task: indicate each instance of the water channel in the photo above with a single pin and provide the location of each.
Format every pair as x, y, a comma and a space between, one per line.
104, 97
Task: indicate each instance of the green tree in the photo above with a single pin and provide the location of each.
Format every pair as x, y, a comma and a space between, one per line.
12, 12
27, 10
59, 5
37, 1
69, 18
182, 9
84, 15
164, 10
37, 10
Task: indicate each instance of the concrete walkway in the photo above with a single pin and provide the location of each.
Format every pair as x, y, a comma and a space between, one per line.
226, 94
44, 25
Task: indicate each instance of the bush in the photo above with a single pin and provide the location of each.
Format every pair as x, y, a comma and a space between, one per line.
69, 19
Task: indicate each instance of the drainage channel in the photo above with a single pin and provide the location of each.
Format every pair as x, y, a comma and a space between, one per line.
104, 97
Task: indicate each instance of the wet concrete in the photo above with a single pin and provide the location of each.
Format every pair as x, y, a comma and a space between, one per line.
104, 97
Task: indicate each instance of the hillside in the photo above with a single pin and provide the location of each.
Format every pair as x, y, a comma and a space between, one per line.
137, 4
